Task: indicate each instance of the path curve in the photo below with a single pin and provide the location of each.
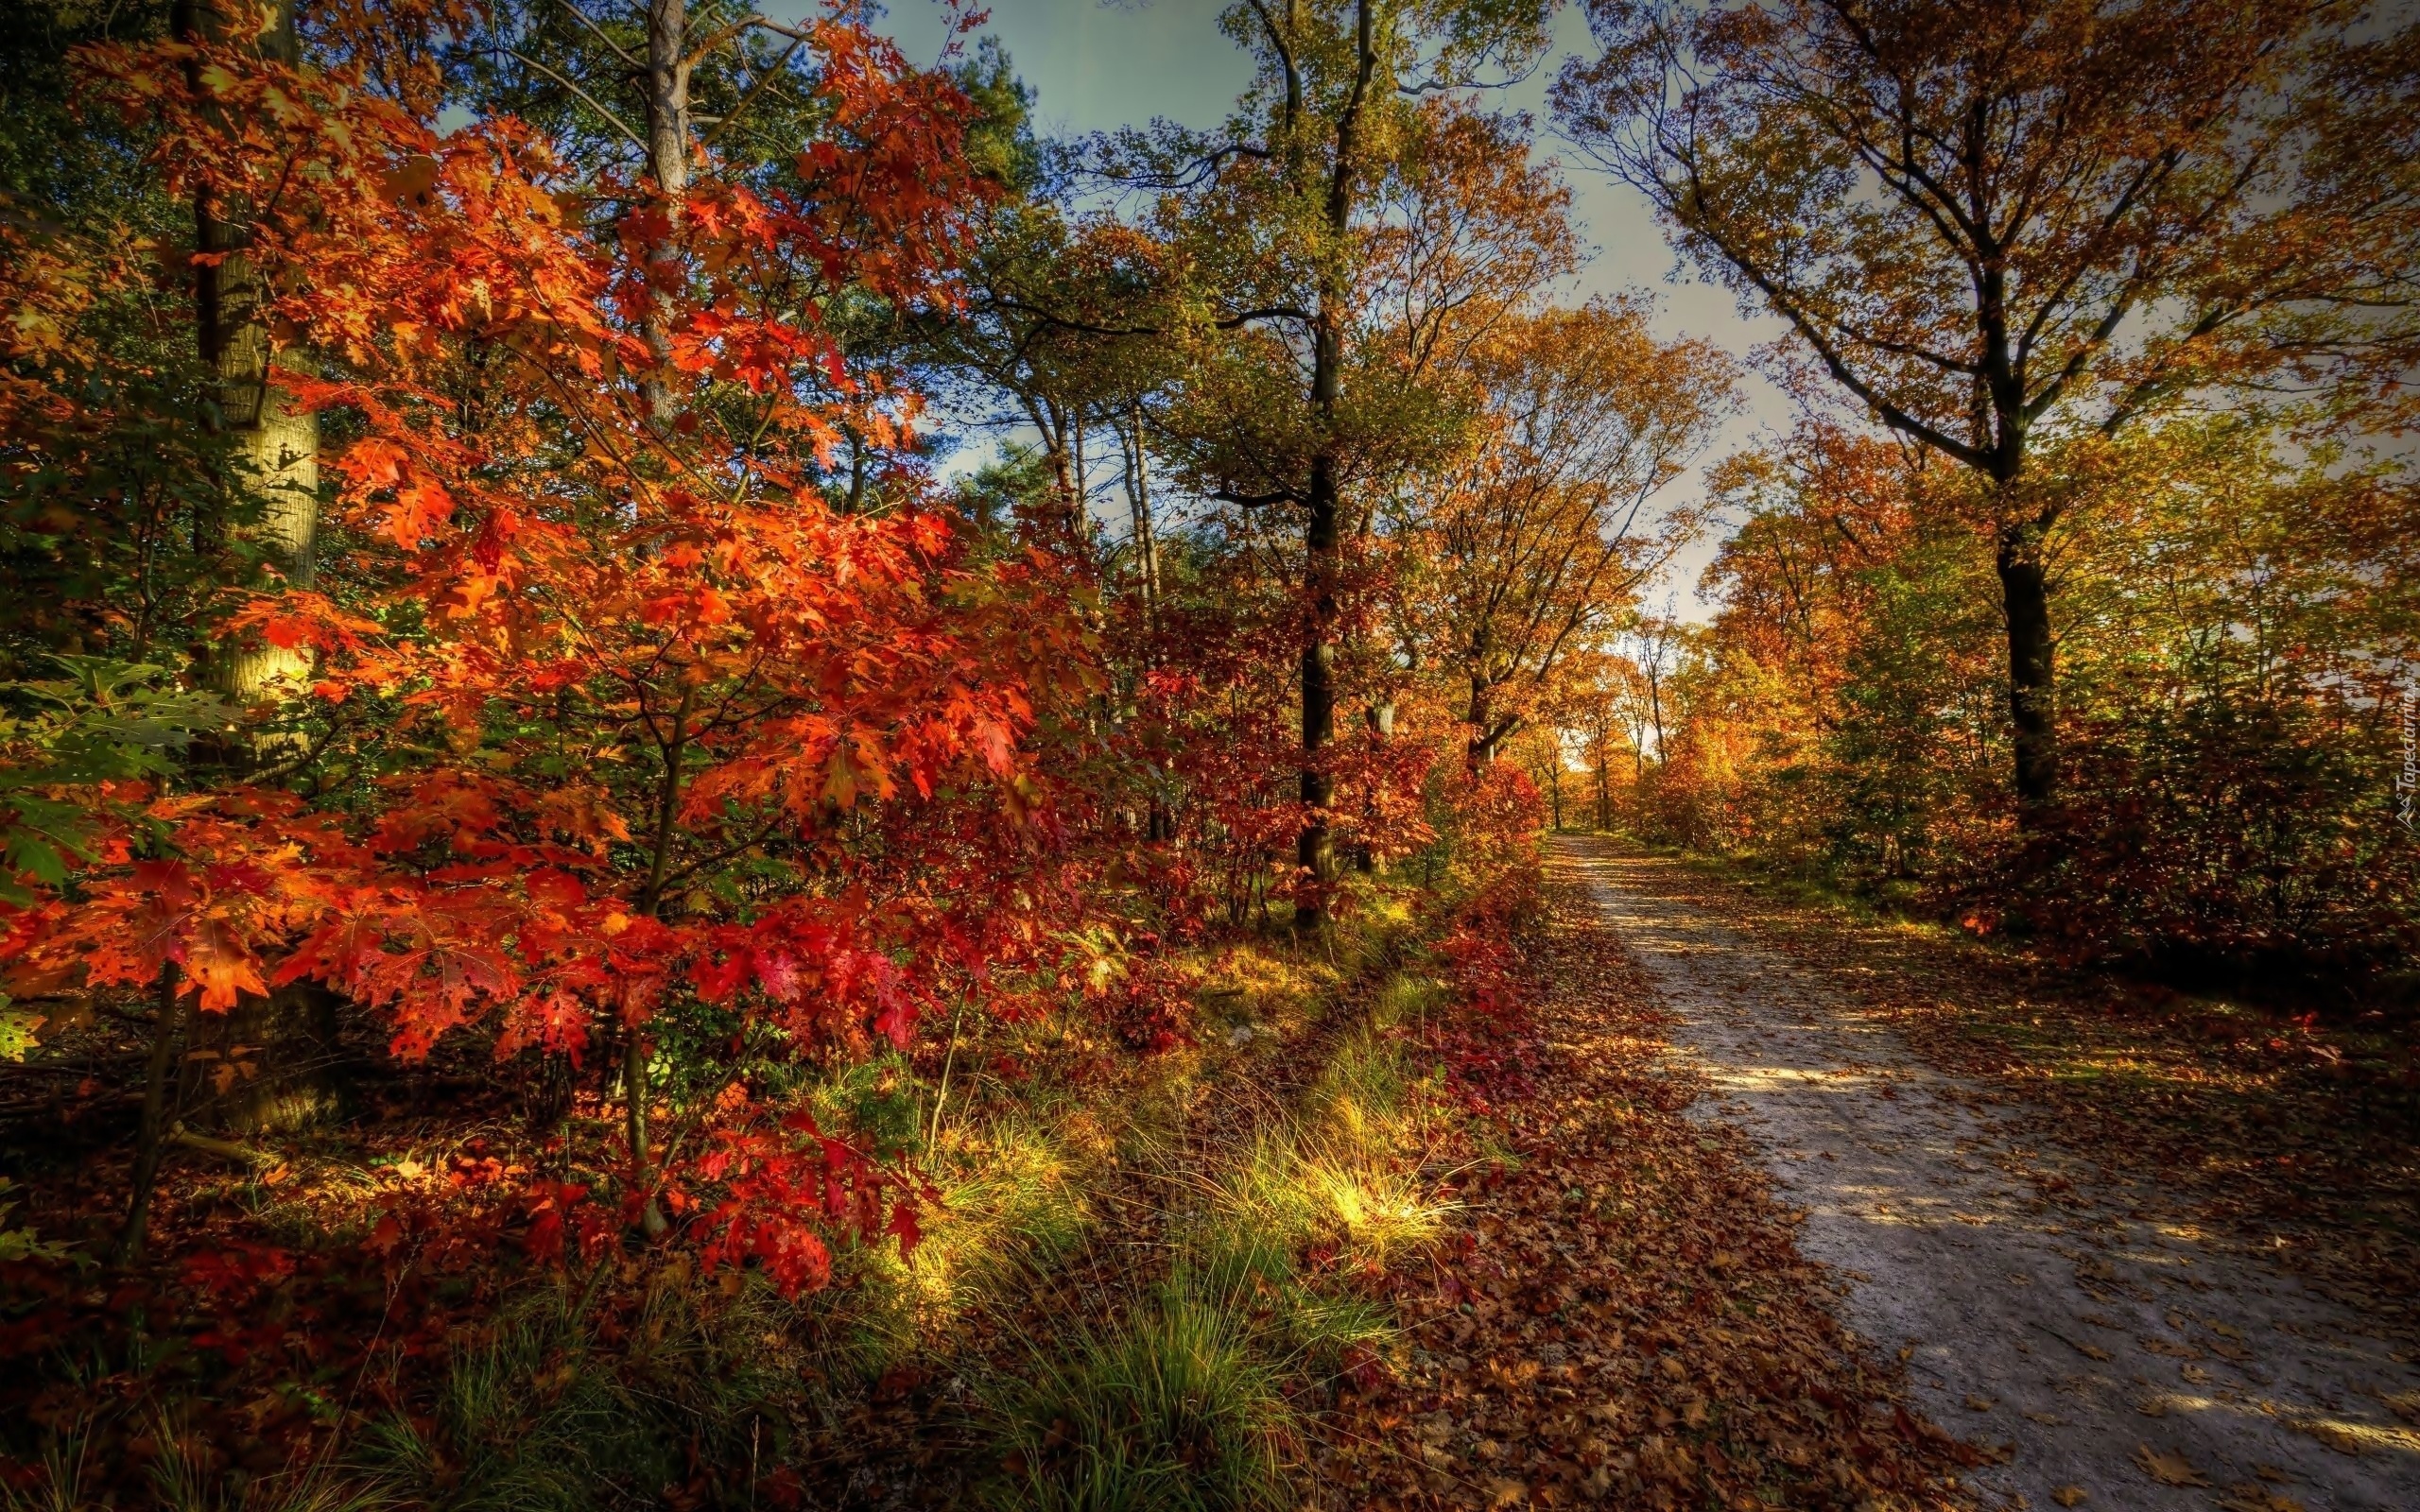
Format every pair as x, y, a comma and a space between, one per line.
2094, 1347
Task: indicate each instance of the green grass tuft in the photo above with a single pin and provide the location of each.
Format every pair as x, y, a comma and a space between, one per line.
539, 1414
1179, 1407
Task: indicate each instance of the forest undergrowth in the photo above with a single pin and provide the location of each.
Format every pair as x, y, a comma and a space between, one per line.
1138, 1281
1409, 1219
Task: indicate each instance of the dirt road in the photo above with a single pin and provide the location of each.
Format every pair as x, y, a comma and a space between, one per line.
2108, 1359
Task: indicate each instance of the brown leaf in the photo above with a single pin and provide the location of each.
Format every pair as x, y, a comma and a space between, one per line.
2069, 1496
1976, 1403
2168, 1469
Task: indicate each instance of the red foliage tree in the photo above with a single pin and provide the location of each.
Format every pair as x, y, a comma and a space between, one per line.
629, 705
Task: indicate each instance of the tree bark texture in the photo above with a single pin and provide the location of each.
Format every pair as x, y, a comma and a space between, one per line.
274, 446
166, 1033
1316, 851
2032, 695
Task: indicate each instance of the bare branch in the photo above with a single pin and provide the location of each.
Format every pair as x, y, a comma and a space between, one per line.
591, 101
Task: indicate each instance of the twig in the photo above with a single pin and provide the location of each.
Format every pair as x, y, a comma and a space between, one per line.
590, 101
224, 1149
941, 1099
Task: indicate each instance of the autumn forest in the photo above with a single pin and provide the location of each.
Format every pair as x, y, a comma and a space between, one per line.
732, 774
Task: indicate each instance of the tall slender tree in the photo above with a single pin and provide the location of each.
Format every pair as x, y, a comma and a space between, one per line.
1999, 225
274, 441
1541, 534
1356, 227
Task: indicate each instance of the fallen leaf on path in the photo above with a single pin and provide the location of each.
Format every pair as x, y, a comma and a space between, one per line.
2168, 1469
2250, 1498
2050, 1419
1978, 1403
2069, 1496
1506, 1493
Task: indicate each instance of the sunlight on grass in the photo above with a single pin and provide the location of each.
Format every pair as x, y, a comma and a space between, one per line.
1255, 983
1016, 1198
1182, 1401
1336, 1175
1380, 1212
1304, 1193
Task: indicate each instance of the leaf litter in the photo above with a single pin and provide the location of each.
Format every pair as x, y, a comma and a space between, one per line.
1620, 1313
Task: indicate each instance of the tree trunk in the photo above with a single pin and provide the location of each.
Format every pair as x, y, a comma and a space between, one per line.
1079, 514
667, 164
1480, 716
1052, 422
153, 1130
273, 453
1159, 825
272, 1062
634, 1099
667, 161
634, 1056
1139, 503
1316, 851
273, 446
2026, 605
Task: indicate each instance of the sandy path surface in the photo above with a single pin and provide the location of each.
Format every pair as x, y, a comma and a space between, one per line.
2093, 1348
